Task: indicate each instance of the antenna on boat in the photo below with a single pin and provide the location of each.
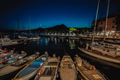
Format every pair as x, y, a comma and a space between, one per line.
95, 22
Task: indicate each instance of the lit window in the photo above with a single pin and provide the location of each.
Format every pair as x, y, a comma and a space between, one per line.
112, 26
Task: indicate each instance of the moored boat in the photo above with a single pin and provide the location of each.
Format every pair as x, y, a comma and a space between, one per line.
17, 65
112, 42
34, 38
22, 37
4, 53
32, 69
88, 71
8, 42
99, 55
49, 69
11, 58
67, 69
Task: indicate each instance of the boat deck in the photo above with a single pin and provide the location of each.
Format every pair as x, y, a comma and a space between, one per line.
48, 74
68, 74
99, 53
26, 71
92, 74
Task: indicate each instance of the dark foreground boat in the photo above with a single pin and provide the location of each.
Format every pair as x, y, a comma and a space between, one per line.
17, 65
88, 71
11, 58
49, 69
31, 69
67, 69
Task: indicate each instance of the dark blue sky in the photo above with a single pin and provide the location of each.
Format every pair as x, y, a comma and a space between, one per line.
48, 13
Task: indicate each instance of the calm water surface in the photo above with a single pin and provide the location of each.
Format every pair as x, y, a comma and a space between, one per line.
61, 46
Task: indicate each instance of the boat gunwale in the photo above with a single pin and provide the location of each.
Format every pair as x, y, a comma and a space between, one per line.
55, 70
16, 56
101, 57
17, 68
9, 53
26, 67
87, 78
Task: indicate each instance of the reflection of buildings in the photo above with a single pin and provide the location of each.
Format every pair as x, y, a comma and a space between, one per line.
112, 25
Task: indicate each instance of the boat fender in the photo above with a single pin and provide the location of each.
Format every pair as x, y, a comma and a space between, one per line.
92, 67
40, 72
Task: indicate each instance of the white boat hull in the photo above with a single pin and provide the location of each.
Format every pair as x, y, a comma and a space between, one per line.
99, 56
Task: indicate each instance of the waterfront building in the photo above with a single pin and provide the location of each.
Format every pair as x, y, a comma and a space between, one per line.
113, 24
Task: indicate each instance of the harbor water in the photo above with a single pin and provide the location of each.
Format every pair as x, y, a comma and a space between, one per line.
61, 46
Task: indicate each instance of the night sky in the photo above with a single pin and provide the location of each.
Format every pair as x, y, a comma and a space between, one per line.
48, 13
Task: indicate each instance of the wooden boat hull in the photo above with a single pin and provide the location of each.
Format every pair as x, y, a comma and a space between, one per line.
88, 71
67, 69
11, 73
13, 60
13, 68
49, 69
30, 75
99, 56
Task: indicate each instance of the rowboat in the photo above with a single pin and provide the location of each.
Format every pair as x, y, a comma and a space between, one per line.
49, 69
32, 69
17, 65
4, 53
11, 58
67, 69
88, 71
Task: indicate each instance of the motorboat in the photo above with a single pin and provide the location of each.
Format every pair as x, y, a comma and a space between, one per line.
88, 71
11, 58
49, 69
67, 69
16, 66
32, 69
8, 42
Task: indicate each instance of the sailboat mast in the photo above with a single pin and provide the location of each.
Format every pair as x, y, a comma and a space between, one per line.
35, 29
18, 23
30, 25
95, 22
106, 19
